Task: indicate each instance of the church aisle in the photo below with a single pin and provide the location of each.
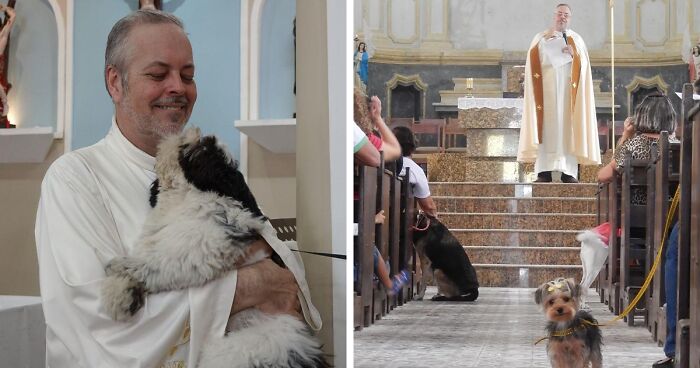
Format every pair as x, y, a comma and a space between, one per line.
498, 330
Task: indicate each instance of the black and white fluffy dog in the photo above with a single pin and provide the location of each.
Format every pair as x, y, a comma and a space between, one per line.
203, 221
442, 256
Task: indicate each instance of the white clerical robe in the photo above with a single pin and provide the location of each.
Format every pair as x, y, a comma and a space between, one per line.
569, 133
92, 207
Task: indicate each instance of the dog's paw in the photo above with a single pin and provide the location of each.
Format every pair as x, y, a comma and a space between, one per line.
121, 266
122, 297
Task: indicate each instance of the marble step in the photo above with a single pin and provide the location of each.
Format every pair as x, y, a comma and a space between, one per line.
524, 255
516, 204
456, 167
523, 275
533, 221
462, 166
501, 189
517, 237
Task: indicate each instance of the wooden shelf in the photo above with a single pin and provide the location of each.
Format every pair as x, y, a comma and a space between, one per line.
276, 135
25, 145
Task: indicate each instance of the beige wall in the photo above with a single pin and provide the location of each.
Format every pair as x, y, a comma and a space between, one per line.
320, 163
272, 179
20, 186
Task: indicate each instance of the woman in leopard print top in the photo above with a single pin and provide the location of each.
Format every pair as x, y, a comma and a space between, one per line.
652, 116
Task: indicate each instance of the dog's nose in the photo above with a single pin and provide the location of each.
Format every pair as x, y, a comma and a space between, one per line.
560, 310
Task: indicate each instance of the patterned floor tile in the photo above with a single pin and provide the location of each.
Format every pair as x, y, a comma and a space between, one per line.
498, 330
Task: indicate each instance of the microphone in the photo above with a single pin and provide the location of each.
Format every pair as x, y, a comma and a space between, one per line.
566, 40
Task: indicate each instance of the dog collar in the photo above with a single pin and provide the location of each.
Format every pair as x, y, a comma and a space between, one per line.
427, 225
568, 331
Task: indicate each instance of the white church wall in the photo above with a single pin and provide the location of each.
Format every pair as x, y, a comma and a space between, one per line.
399, 30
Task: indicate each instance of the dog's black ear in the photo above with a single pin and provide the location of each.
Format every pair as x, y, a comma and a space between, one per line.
538, 295
207, 166
153, 200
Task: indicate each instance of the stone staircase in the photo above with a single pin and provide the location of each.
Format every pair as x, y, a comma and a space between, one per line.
516, 233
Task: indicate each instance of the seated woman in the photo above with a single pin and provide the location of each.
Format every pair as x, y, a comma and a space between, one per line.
641, 134
367, 113
417, 178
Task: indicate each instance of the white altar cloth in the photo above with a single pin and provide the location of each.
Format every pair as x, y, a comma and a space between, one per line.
464, 103
22, 332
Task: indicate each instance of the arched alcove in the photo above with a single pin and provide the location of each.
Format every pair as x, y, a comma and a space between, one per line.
406, 96
36, 72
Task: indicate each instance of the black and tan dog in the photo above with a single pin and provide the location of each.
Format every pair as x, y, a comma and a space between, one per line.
574, 338
442, 256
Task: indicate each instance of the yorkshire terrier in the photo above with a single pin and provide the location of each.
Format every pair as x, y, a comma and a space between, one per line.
574, 338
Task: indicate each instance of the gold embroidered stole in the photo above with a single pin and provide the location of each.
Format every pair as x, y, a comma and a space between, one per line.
536, 73
184, 339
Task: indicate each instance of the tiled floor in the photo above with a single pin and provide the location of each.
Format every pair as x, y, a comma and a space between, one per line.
498, 330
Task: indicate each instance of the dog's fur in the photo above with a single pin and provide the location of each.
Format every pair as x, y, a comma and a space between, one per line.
204, 219
572, 343
442, 256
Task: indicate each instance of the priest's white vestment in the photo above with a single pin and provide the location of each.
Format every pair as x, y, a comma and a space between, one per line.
559, 125
93, 204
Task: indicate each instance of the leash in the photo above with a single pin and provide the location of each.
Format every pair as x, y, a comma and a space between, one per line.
647, 281
330, 255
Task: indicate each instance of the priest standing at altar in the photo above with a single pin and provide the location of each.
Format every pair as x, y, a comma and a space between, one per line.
559, 126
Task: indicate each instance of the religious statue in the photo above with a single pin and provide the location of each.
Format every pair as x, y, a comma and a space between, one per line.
5, 28
361, 62
695, 62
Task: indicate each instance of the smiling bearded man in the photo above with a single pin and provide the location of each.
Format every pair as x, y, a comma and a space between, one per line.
94, 202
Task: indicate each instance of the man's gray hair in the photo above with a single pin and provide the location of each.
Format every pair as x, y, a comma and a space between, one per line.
117, 54
566, 5
655, 114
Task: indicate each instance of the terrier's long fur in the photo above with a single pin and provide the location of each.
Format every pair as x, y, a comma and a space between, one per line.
203, 221
574, 339
442, 256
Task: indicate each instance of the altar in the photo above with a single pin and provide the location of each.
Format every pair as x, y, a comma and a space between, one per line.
23, 332
490, 134
490, 130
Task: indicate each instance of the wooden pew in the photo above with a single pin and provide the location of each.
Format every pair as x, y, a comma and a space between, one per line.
632, 240
380, 305
393, 219
612, 298
406, 250
694, 272
428, 131
366, 179
602, 211
683, 280
651, 320
667, 176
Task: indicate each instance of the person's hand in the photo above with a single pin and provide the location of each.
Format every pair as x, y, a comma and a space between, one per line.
375, 108
10, 12
568, 50
267, 287
379, 217
282, 294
